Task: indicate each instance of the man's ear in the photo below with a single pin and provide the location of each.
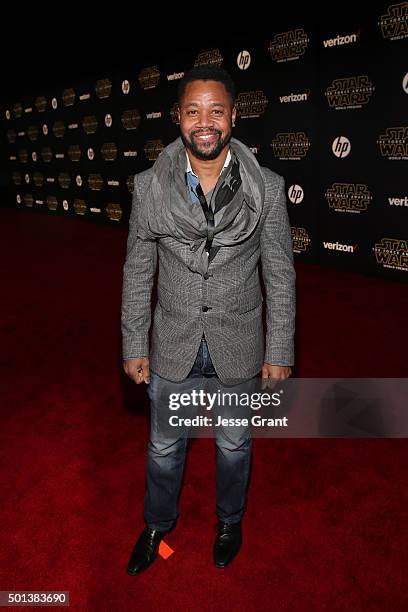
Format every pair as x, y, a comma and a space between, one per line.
233, 115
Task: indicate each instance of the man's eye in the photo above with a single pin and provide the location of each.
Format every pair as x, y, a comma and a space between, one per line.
218, 112
191, 112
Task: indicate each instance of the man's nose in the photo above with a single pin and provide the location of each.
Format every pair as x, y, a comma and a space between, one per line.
205, 120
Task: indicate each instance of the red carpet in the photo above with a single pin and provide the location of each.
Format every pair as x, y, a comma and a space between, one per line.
326, 522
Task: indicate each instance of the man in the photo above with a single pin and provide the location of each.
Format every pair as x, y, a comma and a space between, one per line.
208, 213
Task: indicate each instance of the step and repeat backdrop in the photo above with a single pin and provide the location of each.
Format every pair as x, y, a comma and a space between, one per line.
323, 105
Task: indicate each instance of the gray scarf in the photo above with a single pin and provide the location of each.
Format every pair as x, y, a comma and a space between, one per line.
167, 208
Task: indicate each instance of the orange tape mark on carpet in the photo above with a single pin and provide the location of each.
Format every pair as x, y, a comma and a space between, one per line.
164, 550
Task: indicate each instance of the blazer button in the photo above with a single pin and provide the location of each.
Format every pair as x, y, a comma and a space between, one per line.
205, 308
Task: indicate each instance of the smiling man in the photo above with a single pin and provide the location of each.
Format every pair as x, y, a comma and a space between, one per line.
208, 213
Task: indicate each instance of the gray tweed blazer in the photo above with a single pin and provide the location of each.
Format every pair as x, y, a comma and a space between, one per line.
227, 306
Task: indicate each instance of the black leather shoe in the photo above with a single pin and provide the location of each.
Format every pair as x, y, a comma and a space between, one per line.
145, 550
227, 542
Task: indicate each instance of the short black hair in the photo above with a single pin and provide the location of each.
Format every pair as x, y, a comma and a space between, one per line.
207, 72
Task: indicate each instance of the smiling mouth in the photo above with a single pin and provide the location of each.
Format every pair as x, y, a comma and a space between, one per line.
206, 137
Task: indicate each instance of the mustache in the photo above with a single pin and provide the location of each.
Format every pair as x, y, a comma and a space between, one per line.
205, 132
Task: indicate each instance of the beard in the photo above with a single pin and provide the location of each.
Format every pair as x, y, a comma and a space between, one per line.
202, 150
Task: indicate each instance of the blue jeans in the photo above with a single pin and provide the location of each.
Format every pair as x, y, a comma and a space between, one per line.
166, 458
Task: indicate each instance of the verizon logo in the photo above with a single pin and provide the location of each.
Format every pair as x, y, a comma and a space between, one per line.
175, 76
347, 39
398, 201
153, 115
336, 246
292, 97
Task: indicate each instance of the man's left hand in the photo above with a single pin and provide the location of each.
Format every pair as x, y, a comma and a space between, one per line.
271, 373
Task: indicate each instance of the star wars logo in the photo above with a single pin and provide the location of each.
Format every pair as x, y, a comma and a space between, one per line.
95, 182
213, 57
74, 153
394, 23
90, 124
52, 202
33, 132
288, 46
38, 179
174, 113
11, 136
23, 156
68, 97
109, 151
40, 104
348, 197
149, 77
114, 211
394, 143
392, 253
130, 119
300, 239
28, 199
290, 146
152, 149
80, 206
251, 104
351, 92
18, 109
58, 129
103, 88
16, 178
64, 180
46, 154
130, 183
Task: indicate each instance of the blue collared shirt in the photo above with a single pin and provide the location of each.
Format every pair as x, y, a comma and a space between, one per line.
193, 180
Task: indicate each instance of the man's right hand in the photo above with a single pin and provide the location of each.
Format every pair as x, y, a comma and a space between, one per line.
138, 369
